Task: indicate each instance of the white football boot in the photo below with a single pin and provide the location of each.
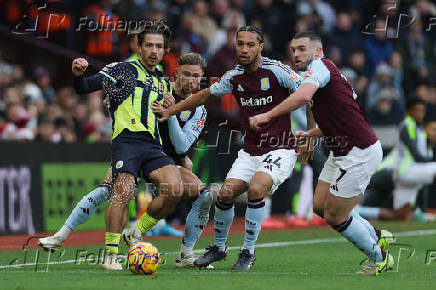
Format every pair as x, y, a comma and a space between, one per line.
50, 243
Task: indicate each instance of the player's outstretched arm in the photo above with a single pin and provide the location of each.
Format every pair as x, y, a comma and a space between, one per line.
294, 101
191, 102
81, 84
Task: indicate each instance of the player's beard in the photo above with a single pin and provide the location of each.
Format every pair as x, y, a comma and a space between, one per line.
247, 64
304, 65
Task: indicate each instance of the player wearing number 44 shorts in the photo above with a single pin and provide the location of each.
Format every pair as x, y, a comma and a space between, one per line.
355, 151
268, 156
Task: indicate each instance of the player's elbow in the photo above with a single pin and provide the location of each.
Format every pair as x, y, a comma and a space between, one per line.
182, 148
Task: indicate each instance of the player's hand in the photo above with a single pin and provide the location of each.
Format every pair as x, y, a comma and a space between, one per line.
158, 109
258, 120
186, 163
79, 66
306, 146
169, 100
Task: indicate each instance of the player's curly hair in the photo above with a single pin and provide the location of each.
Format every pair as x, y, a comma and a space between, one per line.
155, 27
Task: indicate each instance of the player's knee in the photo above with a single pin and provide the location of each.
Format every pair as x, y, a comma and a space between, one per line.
333, 218
256, 192
226, 196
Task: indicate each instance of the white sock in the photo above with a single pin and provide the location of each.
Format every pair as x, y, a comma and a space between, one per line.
187, 251
63, 233
267, 208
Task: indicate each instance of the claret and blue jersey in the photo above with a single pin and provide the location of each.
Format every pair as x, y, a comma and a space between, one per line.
258, 92
336, 110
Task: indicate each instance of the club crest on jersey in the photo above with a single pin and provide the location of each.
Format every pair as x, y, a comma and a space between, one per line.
264, 84
200, 124
184, 115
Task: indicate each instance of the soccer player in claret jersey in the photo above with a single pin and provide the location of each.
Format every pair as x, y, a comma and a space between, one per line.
355, 152
268, 157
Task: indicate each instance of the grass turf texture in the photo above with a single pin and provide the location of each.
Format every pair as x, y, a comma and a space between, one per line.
324, 265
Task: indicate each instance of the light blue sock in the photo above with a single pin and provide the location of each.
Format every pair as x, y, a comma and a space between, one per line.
354, 231
373, 231
253, 222
197, 218
86, 207
224, 213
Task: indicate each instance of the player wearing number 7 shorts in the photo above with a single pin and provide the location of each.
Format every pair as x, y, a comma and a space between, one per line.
355, 152
268, 157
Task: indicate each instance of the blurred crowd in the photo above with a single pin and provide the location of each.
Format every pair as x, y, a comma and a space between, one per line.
386, 49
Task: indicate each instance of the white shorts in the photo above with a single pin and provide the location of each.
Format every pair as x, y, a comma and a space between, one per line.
349, 175
278, 164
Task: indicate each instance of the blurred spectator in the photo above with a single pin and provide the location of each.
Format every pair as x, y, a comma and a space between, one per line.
63, 132
396, 63
80, 117
7, 129
225, 59
175, 11
202, 23
417, 52
377, 47
169, 60
101, 42
382, 80
221, 34
43, 80
423, 10
97, 129
219, 10
45, 130
356, 61
5, 74
189, 40
276, 23
13, 96
386, 111
302, 25
66, 101
427, 91
334, 53
345, 37
19, 116
321, 8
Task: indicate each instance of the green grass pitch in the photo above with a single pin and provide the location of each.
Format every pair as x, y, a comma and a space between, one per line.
301, 259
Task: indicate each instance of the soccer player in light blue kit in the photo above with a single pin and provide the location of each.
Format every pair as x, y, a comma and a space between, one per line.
178, 135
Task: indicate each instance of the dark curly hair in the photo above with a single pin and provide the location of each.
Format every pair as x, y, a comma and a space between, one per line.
155, 27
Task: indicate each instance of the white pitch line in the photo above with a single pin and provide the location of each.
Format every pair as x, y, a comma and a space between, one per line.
264, 245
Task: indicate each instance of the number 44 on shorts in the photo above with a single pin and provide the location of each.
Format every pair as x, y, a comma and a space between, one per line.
270, 162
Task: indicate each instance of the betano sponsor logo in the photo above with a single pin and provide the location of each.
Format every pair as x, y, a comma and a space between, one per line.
250, 102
